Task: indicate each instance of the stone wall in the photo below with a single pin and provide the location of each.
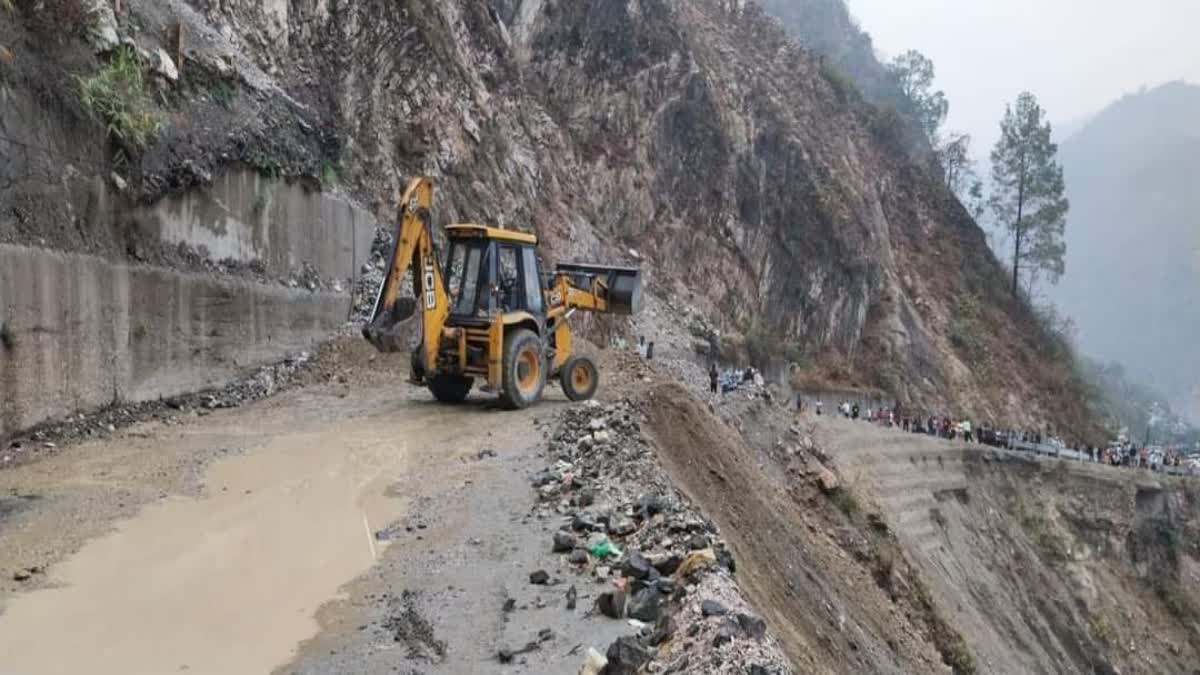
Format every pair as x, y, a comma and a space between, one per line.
80, 331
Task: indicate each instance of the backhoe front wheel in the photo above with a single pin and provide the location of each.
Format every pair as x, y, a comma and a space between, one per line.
524, 370
579, 378
450, 388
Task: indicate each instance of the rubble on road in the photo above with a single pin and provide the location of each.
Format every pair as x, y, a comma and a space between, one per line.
659, 563
259, 384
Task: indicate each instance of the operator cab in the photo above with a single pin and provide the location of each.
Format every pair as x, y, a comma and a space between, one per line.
491, 270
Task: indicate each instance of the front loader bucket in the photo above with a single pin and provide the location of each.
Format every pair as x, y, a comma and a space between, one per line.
624, 284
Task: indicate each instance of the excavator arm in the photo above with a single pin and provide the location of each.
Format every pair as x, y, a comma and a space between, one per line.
414, 249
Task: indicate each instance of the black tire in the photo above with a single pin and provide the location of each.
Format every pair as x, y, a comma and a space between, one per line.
417, 365
523, 369
451, 388
579, 378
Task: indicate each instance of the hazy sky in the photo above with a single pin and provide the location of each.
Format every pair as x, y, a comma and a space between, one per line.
1076, 56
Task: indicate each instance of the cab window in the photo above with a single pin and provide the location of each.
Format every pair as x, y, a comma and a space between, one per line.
533, 282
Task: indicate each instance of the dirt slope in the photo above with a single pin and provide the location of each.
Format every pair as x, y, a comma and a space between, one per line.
794, 549
924, 555
1044, 566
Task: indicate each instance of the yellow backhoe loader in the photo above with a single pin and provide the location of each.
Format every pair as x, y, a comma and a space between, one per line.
490, 312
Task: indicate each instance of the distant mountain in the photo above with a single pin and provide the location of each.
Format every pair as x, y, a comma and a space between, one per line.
1133, 238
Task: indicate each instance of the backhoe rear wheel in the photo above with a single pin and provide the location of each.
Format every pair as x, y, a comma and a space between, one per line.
451, 388
523, 368
579, 378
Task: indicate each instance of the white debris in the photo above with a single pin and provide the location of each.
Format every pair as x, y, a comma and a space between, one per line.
162, 64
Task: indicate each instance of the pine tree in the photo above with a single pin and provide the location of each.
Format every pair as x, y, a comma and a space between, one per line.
1027, 196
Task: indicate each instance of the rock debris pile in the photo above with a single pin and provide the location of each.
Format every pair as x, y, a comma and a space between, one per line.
370, 276
261, 383
658, 563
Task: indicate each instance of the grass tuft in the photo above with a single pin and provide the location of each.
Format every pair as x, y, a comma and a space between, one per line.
119, 97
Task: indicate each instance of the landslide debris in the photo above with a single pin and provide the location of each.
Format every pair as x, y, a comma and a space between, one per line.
648, 552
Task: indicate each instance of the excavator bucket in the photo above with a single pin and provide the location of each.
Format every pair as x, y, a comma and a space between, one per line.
394, 330
624, 284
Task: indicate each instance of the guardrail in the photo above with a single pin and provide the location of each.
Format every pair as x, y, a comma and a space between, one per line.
1065, 453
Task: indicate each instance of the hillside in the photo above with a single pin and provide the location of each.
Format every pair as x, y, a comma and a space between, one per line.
1133, 242
698, 136
204, 468
827, 29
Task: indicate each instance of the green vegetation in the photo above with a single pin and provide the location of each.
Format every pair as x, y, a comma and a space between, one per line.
949, 642
1102, 630
118, 96
887, 125
759, 343
329, 173
797, 355
914, 73
843, 86
1039, 528
223, 93
846, 502
265, 165
1027, 196
966, 332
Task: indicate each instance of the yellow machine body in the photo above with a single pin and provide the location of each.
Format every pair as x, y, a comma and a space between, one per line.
488, 311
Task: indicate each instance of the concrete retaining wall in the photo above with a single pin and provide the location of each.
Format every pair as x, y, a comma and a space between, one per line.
246, 217
80, 331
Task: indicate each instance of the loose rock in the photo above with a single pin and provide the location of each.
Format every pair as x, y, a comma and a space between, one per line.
563, 542
611, 604
754, 626
828, 481
626, 656
646, 604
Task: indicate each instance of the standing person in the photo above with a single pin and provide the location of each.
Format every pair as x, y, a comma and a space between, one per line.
967, 435
818, 407
854, 412
641, 346
650, 351
712, 377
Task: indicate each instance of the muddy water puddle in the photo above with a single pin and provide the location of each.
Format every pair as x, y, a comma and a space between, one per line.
228, 583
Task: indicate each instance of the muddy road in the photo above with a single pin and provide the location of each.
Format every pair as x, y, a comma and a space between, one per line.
343, 526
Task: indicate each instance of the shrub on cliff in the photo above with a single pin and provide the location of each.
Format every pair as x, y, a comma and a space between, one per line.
119, 97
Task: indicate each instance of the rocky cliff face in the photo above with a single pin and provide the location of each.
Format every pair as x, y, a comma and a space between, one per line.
696, 137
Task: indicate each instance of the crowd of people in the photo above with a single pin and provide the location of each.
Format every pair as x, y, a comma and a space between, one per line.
731, 379
1120, 453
